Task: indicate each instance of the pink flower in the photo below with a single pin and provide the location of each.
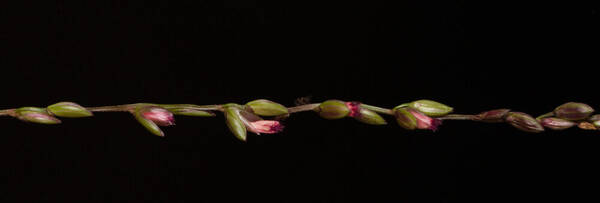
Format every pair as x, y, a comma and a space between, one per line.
257, 125
425, 122
265, 126
160, 116
354, 108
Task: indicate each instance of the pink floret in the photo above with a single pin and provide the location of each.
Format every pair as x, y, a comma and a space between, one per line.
161, 117
425, 122
354, 108
266, 126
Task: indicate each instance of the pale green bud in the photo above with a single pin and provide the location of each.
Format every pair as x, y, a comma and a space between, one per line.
333, 109
405, 119
234, 121
68, 109
263, 107
430, 108
369, 117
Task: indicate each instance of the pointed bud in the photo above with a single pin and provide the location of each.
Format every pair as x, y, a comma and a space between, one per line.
556, 123
405, 119
493, 116
424, 121
430, 108
523, 121
333, 109
35, 115
370, 117
234, 122
573, 111
69, 110
151, 117
263, 107
150, 126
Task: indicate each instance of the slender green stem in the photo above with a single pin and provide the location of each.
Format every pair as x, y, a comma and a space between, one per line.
306, 107
193, 107
378, 109
124, 107
129, 107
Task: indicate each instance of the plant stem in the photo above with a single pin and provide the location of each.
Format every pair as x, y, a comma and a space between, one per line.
124, 107
306, 107
193, 107
46, 115
7, 112
457, 117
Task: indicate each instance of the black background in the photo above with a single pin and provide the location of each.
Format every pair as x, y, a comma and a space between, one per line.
530, 56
